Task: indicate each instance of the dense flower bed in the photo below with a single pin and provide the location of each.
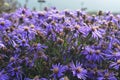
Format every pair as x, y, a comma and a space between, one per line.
59, 45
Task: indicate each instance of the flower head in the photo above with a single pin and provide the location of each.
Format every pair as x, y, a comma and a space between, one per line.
78, 71
58, 70
116, 65
107, 75
15, 72
3, 76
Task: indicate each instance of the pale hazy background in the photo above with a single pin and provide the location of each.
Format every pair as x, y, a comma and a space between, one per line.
91, 5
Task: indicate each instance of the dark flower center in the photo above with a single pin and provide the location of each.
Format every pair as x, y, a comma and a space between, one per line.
98, 51
118, 61
26, 29
36, 78
104, 46
95, 69
6, 39
110, 24
114, 53
41, 35
53, 22
40, 54
2, 23
16, 69
23, 41
32, 26
115, 45
16, 46
77, 27
95, 28
66, 78
1, 57
79, 69
12, 59
106, 75
60, 41
35, 45
91, 52
67, 30
100, 13
55, 70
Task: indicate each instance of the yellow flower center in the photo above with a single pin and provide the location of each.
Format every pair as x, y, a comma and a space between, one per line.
55, 70
106, 75
32, 26
23, 41
12, 59
118, 61
16, 69
79, 69
66, 78
98, 51
26, 28
2, 23
77, 27
91, 52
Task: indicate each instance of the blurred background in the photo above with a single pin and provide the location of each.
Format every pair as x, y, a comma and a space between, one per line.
91, 5
88, 5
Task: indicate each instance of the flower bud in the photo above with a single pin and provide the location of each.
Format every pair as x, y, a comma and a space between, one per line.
100, 13
60, 41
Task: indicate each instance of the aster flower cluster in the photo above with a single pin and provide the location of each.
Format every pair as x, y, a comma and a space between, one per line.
59, 45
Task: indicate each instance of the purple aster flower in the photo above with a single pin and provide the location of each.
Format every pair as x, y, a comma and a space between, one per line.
114, 42
15, 60
4, 24
98, 56
89, 53
97, 32
116, 65
90, 64
15, 72
83, 29
107, 75
114, 56
23, 34
93, 19
3, 76
23, 43
13, 67
15, 46
29, 63
58, 70
27, 31
94, 54
78, 71
93, 73
38, 47
38, 50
